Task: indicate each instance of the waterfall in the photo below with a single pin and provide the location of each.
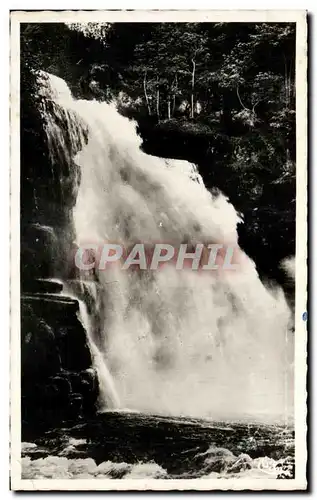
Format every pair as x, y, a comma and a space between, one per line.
178, 342
108, 393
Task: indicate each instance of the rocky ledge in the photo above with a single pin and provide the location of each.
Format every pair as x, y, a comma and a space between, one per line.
58, 381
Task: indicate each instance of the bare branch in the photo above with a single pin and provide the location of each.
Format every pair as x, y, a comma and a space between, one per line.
258, 102
240, 99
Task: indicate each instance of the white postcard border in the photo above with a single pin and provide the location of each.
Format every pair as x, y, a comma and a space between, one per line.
298, 16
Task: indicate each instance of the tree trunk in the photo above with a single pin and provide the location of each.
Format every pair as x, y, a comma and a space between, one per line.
158, 101
287, 83
288, 157
169, 108
145, 94
226, 116
174, 95
193, 87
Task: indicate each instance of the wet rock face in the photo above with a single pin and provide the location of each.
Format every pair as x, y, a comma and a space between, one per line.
57, 379
50, 138
38, 244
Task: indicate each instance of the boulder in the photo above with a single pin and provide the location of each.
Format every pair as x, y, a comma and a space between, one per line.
57, 378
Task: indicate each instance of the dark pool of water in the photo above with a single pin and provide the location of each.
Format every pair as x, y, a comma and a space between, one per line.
121, 445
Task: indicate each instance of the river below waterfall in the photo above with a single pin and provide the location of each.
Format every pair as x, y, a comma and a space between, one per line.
127, 445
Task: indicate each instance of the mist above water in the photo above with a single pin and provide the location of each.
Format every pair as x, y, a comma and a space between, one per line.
175, 342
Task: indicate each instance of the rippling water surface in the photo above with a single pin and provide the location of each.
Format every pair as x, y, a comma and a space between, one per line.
126, 445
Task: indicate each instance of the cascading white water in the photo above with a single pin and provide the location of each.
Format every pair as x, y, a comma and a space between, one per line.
176, 342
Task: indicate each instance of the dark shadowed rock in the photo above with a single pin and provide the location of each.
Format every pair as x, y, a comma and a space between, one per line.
41, 285
57, 379
40, 355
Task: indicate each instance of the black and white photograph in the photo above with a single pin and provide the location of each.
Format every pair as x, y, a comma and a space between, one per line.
158, 250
